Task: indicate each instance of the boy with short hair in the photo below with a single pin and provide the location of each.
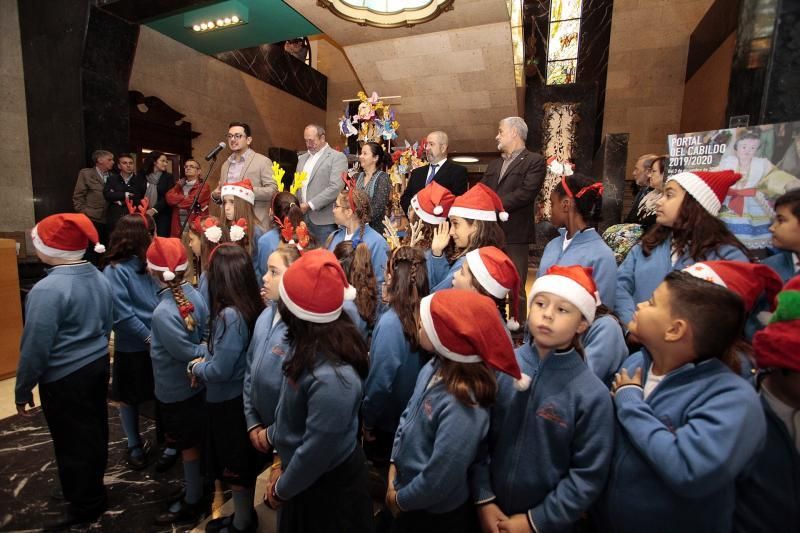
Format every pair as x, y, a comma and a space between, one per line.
64, 348
687, 425
785, 231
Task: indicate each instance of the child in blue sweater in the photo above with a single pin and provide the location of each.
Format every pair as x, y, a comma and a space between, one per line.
785, 231
322, 484
64, 349
687, 230
178, 326
549, 446
686, 425
473, 223
447, 418
235, 306
577, 204
490, 272
135, 297
395, 355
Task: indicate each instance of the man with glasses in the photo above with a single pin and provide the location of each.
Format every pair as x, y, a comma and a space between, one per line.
246, 163
324, 167
122, 185
182, 195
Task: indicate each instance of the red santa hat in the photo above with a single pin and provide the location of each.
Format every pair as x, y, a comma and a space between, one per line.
243, 189
65, 236
708, 188
574, 283
315, 287
465, 327
432, 204
497, 274
168, 256
778, 345
479, 203
748, 280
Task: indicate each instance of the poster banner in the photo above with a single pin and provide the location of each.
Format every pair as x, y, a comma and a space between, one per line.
767, 157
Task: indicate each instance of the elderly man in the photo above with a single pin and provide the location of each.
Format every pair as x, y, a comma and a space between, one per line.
324, 167
517, 177
641, 178
439, 169
87, 198
246, 163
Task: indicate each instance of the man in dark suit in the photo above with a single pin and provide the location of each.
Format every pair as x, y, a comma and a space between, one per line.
517, 178
124, 184
439, 169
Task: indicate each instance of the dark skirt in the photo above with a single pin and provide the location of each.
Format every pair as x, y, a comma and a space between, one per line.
336, 502
132, 378
233, 458
185, 422
463, 519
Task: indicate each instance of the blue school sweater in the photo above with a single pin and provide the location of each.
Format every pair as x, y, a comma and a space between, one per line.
437, 440
549, 447
68, 319
440, 271
393, 371
586, 249
173, 346
267, 244
678, 452
605, 348
378, 249
135, 295
768, 496
350, 308
316, 424
783, 264
202, 288
638, 276
264, 373
223, 371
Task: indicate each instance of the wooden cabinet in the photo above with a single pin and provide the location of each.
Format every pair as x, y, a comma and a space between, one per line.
10, 310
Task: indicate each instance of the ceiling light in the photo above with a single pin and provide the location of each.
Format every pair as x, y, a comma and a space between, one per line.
367, 13
465, 159
219, 16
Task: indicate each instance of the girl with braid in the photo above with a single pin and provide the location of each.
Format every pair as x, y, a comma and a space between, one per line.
351, 212
395, 354
357, 265
178, 326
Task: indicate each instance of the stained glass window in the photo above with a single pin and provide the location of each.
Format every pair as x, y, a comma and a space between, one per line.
563, 41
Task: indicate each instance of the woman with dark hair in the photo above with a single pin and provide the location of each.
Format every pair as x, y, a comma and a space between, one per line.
374, 180
159, 181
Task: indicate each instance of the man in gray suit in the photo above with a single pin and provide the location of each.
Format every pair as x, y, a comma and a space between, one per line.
87, 197
324, 167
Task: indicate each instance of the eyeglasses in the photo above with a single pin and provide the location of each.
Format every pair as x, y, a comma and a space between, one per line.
236, 136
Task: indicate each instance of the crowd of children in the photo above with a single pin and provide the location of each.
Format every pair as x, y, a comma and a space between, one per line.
631, 399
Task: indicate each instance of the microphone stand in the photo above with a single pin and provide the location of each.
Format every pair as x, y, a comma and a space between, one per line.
195, 201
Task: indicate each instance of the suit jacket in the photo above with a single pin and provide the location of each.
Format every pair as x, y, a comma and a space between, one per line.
164, 215
87, 198
324, 184
451, 175
518, 190
258, 169
114, 192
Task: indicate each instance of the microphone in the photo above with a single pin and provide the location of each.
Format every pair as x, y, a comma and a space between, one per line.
213, 153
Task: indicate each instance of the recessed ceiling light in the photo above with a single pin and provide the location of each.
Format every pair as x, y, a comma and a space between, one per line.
465, 159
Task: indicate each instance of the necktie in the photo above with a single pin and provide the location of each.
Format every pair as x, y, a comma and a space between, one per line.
431, 174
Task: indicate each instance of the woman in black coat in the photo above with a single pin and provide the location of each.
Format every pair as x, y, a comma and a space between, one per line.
158, 181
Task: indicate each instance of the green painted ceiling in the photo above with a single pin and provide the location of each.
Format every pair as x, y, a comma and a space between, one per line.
269, 21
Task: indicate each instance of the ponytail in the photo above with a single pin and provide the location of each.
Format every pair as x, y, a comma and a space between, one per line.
357, 265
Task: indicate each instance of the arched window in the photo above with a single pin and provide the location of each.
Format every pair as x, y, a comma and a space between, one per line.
563, 41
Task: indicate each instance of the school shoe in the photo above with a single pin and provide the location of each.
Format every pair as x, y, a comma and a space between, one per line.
165, 462
224, 524
69, 519
187, 513
141, 460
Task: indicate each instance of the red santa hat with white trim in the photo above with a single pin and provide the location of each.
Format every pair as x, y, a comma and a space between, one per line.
708, 188
242, 189
479, 203
574, 283
168, 256
432, 204
748, 280
497, 274
315, 287
465, 327
65, 236
778, 344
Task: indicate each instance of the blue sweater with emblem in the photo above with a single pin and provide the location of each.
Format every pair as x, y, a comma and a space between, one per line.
223, 370
316, 424
638, 276
605, 348
267, 244
393, 371
440, 271
436, 441
378, 248
588, 249
173, 346
679, 452
135, 295
263, 376
549, 447
68, 320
